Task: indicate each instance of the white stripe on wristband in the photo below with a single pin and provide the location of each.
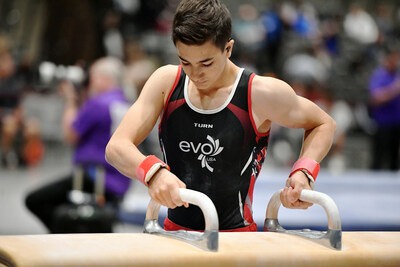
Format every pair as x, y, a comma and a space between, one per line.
309, 167
149, 166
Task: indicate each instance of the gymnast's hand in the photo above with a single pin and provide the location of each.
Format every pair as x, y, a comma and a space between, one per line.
291, 193
163, 188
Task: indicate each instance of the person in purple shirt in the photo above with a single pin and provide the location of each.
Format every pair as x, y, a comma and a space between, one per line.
384, 88
88, 127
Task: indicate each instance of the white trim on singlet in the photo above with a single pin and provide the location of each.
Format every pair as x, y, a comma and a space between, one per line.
211, 111
247, 163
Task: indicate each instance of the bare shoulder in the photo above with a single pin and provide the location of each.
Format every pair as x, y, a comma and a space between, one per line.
270, 94
160, 82
165, 75
167, 71
143, 114
269, 86
272, 99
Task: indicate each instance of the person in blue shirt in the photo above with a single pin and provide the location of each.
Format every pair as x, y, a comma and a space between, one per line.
88, 128
384, 89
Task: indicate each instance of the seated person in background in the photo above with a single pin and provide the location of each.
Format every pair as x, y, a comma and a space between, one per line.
88, 128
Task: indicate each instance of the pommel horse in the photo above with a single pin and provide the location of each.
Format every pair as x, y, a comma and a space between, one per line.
155, 247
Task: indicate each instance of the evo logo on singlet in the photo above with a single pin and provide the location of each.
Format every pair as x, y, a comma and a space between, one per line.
206, 151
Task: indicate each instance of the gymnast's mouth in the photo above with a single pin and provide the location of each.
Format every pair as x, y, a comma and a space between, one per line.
199, 83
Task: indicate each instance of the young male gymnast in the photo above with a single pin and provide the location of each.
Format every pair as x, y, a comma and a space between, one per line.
214, 129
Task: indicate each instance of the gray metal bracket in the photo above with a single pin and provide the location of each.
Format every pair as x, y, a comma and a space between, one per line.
332, 238
207, 240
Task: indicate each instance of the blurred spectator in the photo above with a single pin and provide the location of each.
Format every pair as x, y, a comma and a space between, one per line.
360, 26
164, 20
384, 87
306, 66
89, 128
140, 16
139, 67
385, 22
113, 40
248, 28
330, 33
301, 18
20, 136
249, 34
274, 30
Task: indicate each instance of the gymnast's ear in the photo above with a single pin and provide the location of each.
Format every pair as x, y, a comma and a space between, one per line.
229, 46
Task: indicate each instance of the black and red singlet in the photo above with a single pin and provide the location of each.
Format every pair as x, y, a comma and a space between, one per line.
218, 152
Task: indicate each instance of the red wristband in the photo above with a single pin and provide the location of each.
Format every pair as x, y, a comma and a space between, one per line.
308, 165
149, 166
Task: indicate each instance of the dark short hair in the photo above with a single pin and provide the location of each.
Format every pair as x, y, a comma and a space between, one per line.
199, 21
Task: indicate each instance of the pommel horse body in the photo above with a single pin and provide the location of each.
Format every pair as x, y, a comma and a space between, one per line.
274, 247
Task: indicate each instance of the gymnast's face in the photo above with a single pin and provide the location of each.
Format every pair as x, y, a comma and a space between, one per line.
204, 64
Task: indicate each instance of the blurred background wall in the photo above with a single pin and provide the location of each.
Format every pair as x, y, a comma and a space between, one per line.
306, 43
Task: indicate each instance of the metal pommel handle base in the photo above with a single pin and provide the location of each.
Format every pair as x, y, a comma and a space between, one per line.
207, 240
332, 238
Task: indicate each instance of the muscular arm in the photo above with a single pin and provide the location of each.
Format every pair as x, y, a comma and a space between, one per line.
275, 101
122, 151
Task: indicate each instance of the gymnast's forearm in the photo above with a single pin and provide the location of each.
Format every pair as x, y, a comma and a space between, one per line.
318, 141
124, 156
